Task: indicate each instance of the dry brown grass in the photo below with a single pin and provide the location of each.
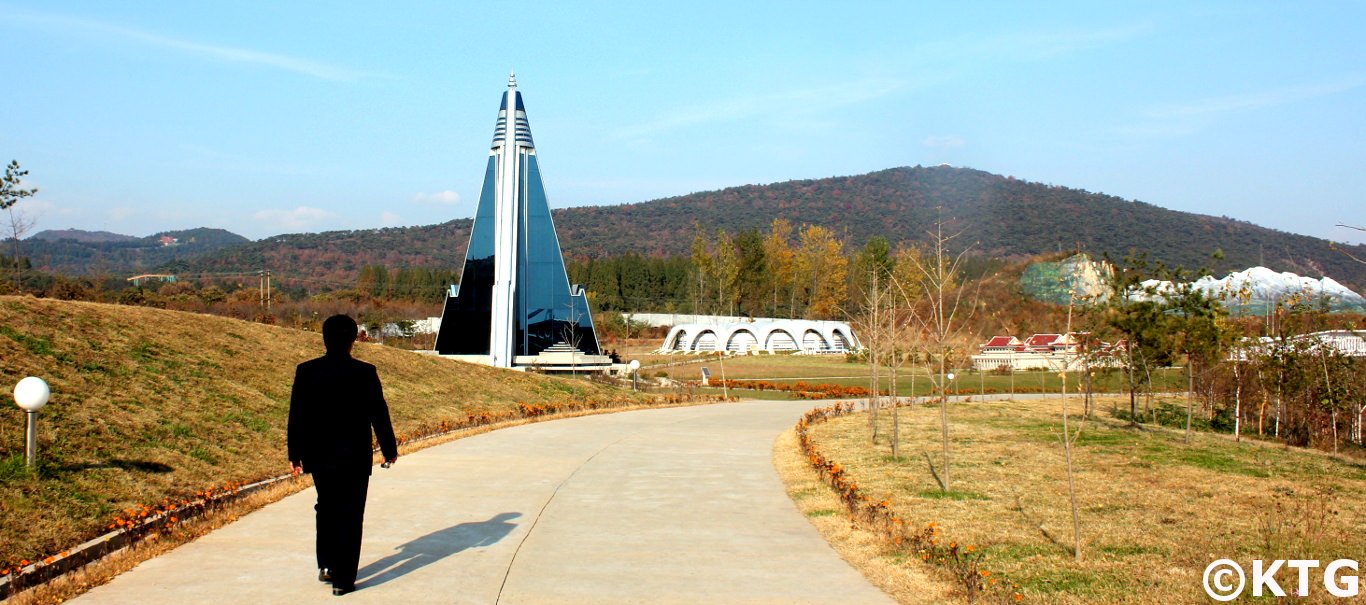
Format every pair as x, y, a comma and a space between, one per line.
1154, 512
150, 403
864, 550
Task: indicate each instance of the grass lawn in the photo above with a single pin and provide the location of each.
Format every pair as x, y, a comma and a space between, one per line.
1154, 510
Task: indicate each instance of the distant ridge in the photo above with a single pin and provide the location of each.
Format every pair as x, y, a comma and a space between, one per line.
75, 252
85, 237
1002, 216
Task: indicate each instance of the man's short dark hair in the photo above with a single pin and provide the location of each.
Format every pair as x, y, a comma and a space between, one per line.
339, 332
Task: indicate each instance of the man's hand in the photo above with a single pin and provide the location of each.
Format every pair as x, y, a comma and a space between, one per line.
388, 462
295, 467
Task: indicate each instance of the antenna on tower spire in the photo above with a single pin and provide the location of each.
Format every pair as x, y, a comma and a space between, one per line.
512, 79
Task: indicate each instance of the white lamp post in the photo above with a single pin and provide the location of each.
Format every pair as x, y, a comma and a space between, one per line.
31, 394
635, 372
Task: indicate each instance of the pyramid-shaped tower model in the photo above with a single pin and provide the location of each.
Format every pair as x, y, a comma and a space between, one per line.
514, 305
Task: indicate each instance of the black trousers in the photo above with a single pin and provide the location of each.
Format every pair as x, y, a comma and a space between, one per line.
341, 516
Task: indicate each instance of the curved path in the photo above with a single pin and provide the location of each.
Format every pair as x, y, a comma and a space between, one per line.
676, 505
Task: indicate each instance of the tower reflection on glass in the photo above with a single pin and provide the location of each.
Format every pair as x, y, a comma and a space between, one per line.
514, 305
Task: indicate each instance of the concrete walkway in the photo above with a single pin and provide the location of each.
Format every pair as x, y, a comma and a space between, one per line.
674, 505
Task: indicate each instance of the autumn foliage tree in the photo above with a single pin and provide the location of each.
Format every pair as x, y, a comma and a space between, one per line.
822, 270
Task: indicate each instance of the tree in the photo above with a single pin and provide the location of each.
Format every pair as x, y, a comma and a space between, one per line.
779, 261
702, 269
1196, 331
1067, 440
11, 193
1136, 313
877, 294
941, 281
873, 325
822, 269
753, 280
904, 334
727, 266
873, 263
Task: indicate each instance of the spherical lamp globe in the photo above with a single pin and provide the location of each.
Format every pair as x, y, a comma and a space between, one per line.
31, 393
635, 364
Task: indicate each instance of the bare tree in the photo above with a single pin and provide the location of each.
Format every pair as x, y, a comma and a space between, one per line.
903, 334
1067, 439
572, 336
940, 279
874, 341
1349, 254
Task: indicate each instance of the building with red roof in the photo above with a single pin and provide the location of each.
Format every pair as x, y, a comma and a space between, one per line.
1044, 352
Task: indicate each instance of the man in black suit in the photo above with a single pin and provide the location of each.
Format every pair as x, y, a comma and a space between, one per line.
335, 402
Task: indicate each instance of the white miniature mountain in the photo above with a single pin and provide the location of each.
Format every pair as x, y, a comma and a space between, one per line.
1262, 285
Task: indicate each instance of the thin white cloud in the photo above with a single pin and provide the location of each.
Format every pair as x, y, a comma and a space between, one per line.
1041, 45
792, 103
40, 208
1034, 45
230, 54
1256, 100
947, 141
299, 218
389, 219
440, 198
122, 213
1183, 119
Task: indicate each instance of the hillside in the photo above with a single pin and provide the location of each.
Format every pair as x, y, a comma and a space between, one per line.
1005, 216
150, 403
77, 235
73, 252
333, 259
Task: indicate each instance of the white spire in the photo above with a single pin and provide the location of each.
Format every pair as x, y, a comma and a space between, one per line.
512, 80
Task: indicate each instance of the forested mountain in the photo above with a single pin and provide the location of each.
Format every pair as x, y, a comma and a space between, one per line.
74, 252
334, 259
77, 235
1001, 216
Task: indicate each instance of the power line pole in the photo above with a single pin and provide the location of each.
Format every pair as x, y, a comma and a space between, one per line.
263, 277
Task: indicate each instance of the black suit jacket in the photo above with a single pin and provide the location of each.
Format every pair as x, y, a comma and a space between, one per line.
335, 402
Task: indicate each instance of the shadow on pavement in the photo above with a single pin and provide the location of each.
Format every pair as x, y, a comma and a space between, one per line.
433, 547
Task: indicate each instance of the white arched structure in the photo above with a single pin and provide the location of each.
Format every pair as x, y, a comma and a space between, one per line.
762, 336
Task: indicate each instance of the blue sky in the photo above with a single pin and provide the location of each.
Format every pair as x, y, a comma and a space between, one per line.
277, 117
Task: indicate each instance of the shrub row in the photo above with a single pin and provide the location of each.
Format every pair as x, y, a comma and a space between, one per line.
802, 390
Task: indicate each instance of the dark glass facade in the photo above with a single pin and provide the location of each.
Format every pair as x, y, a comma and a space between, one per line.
546, 310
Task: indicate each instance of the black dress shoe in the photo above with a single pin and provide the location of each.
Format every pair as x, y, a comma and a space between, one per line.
338, 591
324, 575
